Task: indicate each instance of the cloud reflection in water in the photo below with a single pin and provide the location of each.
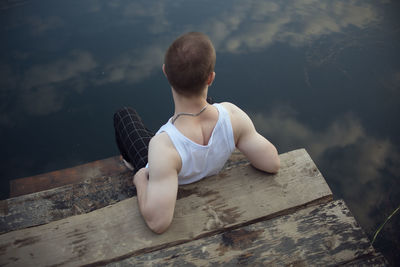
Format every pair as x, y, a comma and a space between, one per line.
353, 162
352, 158
252, 25
44, 85
240, 27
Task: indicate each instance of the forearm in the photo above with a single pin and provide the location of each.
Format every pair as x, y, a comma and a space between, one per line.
261, 153
151, 206
141, 183
271, 162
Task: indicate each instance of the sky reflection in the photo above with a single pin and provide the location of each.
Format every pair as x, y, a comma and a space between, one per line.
238, 27
351, 160
324, 75
252, 25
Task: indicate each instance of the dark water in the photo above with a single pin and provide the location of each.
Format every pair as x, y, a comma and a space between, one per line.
323, 75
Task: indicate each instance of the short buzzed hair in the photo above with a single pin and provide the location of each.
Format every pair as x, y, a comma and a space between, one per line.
188, 63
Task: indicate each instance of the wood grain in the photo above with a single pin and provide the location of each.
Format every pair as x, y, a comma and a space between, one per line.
62, 202
99, 168
236, 197
371, 260
77, 198
325, 235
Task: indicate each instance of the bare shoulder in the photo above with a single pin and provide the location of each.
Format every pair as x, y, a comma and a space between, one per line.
162, 153
162, 144
260, 152
241, 122
160, 140
230, 107
234, 111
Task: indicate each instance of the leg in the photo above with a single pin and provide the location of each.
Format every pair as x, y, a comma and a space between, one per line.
132, 137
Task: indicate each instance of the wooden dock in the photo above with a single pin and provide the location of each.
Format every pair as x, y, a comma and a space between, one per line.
88, 216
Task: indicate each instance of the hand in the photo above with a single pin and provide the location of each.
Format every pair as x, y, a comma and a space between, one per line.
143, 173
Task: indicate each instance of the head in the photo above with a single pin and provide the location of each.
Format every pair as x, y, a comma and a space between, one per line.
189, 63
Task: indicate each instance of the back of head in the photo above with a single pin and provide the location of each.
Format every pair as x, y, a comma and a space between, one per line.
188, 63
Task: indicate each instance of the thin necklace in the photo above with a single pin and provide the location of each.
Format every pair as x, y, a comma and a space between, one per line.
188, 114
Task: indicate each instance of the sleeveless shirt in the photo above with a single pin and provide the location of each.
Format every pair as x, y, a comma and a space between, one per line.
199, 161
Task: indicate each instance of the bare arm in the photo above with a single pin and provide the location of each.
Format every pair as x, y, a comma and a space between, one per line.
260, 152
157, 195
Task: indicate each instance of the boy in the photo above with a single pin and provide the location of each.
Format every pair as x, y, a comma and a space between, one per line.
195, 143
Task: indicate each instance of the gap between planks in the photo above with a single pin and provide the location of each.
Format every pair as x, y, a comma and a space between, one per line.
323, 235
232, 199
73, 199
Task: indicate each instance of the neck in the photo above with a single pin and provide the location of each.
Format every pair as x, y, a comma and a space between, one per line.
191, 104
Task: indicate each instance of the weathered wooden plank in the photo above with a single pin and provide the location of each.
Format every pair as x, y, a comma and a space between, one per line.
99, 168
55, 204
372, 260
237, 159
238, 196
74, 199
325, 235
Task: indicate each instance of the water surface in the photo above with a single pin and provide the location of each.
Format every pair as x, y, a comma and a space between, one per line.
323, 75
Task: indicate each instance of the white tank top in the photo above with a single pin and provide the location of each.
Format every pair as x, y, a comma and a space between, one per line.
200, 161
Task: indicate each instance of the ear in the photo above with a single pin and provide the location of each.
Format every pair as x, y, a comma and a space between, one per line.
211, 78
163, 69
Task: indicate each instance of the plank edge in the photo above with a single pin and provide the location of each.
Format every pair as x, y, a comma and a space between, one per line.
315, 202
365, 258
